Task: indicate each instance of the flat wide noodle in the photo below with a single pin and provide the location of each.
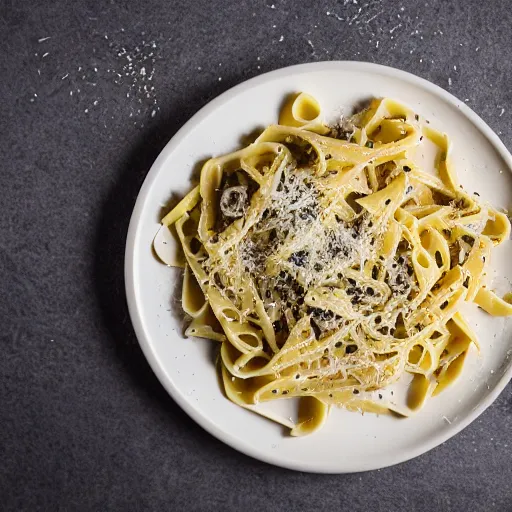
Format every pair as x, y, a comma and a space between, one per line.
329, 265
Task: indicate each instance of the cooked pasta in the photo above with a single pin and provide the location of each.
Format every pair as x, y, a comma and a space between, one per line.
329, 265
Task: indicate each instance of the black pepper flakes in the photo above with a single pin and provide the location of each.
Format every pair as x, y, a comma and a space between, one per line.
468, 239
299, 258
316, 330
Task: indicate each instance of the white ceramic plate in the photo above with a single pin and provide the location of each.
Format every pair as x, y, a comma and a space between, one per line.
349, 442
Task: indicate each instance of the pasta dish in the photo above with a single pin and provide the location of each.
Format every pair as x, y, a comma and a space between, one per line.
330, 265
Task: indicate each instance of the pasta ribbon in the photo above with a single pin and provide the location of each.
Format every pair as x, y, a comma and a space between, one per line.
329, 265
491, 303
303, 111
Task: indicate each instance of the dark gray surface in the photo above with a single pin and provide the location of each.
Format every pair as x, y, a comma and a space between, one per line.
84, 424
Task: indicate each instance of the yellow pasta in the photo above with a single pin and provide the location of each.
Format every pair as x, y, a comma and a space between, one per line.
330, 266
303, 111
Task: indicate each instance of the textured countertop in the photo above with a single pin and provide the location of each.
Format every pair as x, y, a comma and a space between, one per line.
90, 94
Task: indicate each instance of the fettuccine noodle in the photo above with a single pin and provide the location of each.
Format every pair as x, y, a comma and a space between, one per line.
329, 265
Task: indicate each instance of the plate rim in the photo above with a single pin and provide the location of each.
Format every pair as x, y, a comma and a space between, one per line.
129, 270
